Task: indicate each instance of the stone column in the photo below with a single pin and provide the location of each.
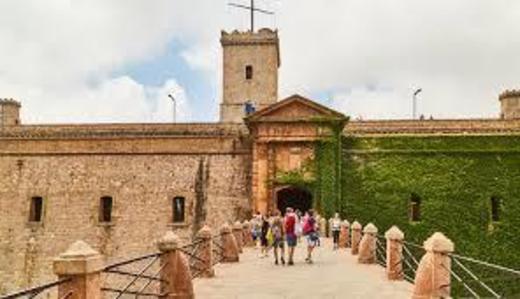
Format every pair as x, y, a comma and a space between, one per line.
394, 253
176, 274
368, 245
205, 252
344, 234
83, 266
432, 279
356, 237
237, 231
229, 245
247, 238
323, 227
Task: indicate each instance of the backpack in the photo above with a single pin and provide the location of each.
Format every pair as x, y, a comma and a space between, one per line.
290, 222
308, 227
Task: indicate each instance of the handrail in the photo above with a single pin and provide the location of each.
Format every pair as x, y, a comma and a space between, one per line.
34, 291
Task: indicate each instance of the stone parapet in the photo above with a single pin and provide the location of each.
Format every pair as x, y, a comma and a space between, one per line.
432, 127
10, 102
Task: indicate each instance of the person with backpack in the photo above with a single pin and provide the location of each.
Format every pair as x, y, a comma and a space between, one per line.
290, 233
309, 230
277, 229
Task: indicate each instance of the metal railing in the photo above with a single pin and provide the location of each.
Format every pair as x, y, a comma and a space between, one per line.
480, 279
471, 278
195, 261
138, 277
40, 291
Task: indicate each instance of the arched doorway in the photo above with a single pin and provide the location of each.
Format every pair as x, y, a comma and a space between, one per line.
294, 197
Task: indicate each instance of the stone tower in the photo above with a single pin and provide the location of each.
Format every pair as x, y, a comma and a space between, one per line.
510, 104
250, 76
9, 112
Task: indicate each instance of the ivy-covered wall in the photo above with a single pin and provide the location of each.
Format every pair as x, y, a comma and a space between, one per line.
455, 178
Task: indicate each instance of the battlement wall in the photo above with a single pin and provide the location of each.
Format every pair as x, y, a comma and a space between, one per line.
127, 139
432, 127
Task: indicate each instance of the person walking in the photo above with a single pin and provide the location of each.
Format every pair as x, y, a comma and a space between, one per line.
309, 230
256, 228
290, 233
336, 228
264, 243
277, 230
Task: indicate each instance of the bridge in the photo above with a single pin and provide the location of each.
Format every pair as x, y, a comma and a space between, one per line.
226, 264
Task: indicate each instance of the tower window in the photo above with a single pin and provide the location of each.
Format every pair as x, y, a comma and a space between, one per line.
249, 72
495, 209
178, 204
105, 209
415, 208
35, 213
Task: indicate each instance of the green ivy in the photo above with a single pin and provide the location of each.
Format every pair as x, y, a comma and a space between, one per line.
455, 176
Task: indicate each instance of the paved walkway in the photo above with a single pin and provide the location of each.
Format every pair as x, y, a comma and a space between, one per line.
334, 274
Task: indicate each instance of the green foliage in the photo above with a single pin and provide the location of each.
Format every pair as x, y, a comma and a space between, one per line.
455, 176
303, 177
328, 168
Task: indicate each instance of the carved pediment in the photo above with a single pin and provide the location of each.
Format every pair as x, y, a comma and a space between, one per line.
295, 109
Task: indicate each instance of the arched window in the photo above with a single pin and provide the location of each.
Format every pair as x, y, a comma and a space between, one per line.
178, 204
36, 209
415, 208
105, 209
495, 209
249, 72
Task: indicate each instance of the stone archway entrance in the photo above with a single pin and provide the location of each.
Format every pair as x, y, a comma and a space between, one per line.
294, 197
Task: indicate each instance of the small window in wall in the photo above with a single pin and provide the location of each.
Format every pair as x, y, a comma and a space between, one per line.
415, 208
249, 72
495, 209
178, 209
36, 210
105, 209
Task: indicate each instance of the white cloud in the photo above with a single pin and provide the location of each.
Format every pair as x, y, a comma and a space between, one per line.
58, 55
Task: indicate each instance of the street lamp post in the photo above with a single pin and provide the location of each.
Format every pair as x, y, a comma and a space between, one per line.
174, 107
414, 103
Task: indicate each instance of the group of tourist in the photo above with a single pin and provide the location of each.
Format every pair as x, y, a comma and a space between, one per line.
275, 231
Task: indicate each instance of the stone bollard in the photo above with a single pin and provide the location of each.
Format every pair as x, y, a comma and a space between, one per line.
368, 245
356, 237
237, 231
344, 234
205, 252
176, 274
83, 266
432, 279
247, 238
323, 227
229, 245
394, 253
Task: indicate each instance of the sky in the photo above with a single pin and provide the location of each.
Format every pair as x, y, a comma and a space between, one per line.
76, 61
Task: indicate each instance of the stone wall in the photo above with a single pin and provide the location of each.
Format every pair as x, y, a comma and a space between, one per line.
432, 127
142, 175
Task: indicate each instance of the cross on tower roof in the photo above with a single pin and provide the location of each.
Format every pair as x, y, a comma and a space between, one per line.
252, 9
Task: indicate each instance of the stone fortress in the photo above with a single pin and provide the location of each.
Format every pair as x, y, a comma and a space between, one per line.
119, 187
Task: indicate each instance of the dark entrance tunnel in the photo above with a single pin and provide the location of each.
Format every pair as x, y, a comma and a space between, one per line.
294, 197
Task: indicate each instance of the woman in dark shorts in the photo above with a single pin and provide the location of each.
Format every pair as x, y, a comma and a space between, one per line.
263, 236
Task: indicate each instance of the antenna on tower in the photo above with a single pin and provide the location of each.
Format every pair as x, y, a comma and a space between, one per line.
252, 10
